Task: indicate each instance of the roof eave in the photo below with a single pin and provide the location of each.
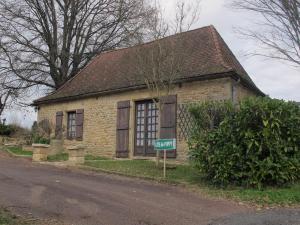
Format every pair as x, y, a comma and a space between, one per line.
248, 84
230, 73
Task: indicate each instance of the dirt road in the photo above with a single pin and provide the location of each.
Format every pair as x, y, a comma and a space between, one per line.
87, 198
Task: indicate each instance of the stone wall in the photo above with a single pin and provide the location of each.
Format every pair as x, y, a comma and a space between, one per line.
243, 92
11, 140
100, 113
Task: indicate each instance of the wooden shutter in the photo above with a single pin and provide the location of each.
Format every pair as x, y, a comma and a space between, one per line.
79, 124
168, 120
123, 115
59, 124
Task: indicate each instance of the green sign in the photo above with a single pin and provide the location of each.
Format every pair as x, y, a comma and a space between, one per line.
165, 144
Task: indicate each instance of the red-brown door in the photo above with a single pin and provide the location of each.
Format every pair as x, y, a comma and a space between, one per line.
146, 128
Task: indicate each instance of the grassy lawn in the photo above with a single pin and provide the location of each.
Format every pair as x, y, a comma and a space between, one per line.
18, 151
58, 158
7, 219
65, 156
91, 157
186, 174
147, 169
285, 196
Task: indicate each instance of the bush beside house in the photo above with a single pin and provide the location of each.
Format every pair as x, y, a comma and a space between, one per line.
6, 130
14, 134
255, 145
41, 132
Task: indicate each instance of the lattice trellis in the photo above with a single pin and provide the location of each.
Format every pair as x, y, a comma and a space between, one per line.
186, 122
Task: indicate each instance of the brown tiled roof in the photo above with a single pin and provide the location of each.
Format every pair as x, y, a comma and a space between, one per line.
209, 57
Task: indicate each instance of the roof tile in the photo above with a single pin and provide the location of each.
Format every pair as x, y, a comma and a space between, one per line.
116, 70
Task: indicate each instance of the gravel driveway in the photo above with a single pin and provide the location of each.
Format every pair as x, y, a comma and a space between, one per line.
271, 217
87, 198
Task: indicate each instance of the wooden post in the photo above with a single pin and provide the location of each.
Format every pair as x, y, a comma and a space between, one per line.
157, 159
158, 131
165, 158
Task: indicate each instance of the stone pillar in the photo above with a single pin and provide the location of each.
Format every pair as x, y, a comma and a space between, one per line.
56, 147
76, 154
40, 152
27, 148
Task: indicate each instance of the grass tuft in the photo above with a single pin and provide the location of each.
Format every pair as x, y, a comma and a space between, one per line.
93, 158
7, 219
284, 196
147, 169
58, 157
19, 151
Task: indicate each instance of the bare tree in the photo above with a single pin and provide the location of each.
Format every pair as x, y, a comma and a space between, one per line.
3, 101
279, 30
47, 42
161, 62
187, 14
159, 65
7, 98
12, 92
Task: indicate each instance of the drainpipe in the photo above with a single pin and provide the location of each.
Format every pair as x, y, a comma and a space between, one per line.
234, 91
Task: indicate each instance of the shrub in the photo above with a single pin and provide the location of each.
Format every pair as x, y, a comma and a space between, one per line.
58, 157
6, 130
257, 145
41, 140
41, 132
209, 115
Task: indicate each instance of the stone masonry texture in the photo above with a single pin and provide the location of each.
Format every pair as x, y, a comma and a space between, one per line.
100, 113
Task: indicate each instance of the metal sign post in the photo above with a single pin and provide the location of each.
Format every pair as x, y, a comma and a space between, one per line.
165, 145
165, 159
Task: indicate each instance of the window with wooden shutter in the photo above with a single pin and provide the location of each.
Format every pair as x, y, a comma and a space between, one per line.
123, 116
168, 120
146, 128
59, 124
79, 124
71, 131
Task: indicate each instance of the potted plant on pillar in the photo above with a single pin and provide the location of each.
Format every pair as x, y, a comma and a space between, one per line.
56, 138
41, 141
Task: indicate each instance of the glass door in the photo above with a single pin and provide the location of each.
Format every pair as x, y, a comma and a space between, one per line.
146, 129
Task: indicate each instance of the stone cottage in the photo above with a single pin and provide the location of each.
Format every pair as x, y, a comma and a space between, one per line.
111, 112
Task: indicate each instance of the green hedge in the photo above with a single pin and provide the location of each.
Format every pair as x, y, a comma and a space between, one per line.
6, 130
209, 115
256, 145
41, 140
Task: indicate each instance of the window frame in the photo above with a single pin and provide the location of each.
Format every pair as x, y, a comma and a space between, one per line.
71, 137
146, 148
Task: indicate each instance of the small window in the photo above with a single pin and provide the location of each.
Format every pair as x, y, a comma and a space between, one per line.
72, 125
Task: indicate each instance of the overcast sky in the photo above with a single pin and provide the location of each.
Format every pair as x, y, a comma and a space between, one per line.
275, 78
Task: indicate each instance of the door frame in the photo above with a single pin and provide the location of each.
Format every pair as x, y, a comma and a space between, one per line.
144, 154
